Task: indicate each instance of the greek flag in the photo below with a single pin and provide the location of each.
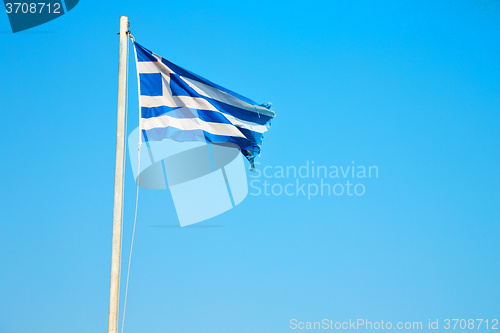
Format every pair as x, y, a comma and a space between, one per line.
180, 105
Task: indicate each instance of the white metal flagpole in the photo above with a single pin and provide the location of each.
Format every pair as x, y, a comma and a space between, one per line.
118, 199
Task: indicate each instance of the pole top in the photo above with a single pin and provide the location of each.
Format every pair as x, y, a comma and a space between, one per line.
124, 24
124, 19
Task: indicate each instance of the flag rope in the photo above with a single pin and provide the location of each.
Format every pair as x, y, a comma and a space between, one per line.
124, 164
132, 242
136, 205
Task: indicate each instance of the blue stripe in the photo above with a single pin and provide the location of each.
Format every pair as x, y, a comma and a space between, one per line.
149, 112
143, 54
190, 75
180, 88
205, 115
252, 136
183, 112
239, 113
156, 111
161, 133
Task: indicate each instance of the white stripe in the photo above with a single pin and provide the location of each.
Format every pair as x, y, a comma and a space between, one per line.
190, 124
245, 124
176, 101
145, 67
155, 101
158, 101
194, 103
219, 95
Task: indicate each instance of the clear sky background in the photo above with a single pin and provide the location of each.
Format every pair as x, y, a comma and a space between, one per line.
411, 87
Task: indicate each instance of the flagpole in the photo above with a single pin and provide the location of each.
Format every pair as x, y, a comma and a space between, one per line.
118, 198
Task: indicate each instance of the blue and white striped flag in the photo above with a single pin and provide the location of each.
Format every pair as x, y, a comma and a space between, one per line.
182, 106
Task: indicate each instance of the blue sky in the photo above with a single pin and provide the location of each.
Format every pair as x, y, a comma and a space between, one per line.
411, 88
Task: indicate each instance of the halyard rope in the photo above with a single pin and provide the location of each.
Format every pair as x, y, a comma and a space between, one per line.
136, 205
